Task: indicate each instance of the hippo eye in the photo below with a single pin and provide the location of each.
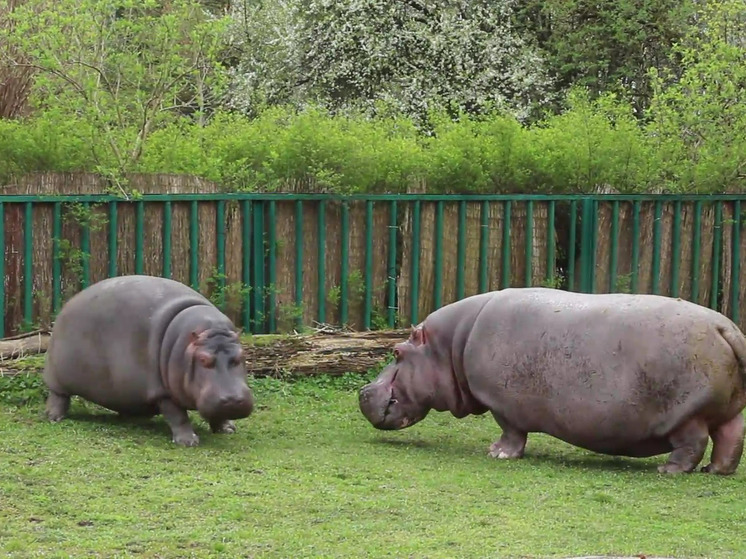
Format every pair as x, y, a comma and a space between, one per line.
206, 360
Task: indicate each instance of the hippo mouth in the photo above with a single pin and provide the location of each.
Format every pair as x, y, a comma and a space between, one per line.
235, 407
385, 409
388, 420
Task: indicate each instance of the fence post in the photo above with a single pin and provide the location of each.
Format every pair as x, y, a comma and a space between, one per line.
587, 245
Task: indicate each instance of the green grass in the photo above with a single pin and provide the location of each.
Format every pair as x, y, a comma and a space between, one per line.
306, 476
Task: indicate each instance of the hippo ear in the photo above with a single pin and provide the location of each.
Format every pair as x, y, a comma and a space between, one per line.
196, 337
418, 336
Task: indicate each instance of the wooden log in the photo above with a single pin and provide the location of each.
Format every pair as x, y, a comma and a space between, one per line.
331, 353
22, 345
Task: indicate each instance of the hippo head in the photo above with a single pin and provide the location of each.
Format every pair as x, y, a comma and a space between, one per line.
403, 393
218, 375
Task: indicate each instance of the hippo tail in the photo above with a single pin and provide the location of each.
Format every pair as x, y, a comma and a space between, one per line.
737, 343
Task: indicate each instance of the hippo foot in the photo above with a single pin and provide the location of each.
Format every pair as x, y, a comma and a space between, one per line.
713, 469
511, 444
727, 447
226, 427
673, 469
57, 406
689, 443
186, 439
502, 452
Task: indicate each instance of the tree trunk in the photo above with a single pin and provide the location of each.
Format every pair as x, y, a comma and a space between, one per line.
266, 355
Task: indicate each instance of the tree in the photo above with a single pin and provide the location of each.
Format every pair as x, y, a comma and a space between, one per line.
124, 67
15, 81
697, 118
607, 45
410, 55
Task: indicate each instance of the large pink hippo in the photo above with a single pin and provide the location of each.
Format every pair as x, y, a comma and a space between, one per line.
618, 374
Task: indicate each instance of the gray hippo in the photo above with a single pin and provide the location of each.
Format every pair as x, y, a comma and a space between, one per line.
142, 345
618, 374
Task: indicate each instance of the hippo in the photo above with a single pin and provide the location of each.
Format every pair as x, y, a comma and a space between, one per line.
633, 375
141, 345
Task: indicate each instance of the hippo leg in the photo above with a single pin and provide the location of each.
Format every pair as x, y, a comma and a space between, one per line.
226, 427
181, 428
57, 406
727, 447
689, 444
511, 444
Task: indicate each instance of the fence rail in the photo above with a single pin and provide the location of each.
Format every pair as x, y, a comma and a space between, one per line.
275, 261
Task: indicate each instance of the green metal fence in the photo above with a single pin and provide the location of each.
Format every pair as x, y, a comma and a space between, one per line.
431, 249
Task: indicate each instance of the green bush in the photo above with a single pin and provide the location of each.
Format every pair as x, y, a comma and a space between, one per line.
594, 146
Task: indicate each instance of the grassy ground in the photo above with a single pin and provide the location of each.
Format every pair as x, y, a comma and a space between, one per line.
306, 476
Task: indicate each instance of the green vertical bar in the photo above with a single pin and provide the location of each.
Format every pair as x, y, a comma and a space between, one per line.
368, 263
344, 294
246, 263
551, 259
112, 239
505, 264
258, 283
299, 261
220, 242
415, 280
438, 282
391, 315
461, 250
572, 241
716, 255
735, 270
634, 283
484, 239
696, 247
613, 258
85, 247
656, 248
594, 241
167, 239
56, 258
322, 261
272, 226
676, 249
587, 248
194, 245
28, 270
139, 236
529, 243
2, 269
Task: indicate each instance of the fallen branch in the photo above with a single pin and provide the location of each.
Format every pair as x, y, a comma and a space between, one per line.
323, 352
22, 345
332, 353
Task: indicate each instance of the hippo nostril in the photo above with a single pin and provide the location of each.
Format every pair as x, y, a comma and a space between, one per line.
232, 401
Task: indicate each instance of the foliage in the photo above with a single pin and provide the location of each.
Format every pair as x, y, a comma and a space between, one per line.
698, 121
606, 46
121, 68
306, 475
690, 139
384, 55
593, 146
